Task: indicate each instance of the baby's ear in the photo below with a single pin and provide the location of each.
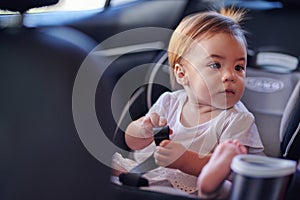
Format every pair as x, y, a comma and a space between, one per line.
180, 74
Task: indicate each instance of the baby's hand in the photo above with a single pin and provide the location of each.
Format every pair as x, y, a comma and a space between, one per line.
227, 150
150, 121
241, 148
169, 154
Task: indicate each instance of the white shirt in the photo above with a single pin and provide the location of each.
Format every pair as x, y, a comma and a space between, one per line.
234, 123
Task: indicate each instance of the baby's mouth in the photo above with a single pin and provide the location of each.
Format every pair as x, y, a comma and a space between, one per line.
229, 91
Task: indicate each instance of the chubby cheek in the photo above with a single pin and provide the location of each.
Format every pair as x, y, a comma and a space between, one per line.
213, 83
203, 90
241, 81
241, 89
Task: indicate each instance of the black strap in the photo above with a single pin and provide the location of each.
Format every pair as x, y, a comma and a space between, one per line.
133, 179
134, 176
160, 134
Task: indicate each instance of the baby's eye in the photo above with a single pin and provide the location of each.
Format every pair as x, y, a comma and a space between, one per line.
215, 65
239, 68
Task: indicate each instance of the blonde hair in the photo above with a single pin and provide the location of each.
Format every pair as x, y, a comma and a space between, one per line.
202, 25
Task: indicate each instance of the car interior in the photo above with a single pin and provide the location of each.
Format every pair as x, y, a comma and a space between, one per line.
72, 81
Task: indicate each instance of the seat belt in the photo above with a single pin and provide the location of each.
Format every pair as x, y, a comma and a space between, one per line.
134, 176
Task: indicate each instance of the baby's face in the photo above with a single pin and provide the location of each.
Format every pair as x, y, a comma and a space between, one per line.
216, 70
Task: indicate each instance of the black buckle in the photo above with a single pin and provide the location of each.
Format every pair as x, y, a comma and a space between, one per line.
160, 134
133, 179
134, 176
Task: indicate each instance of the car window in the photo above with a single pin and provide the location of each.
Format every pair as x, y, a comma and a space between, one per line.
74, 5
118, 2
71, 5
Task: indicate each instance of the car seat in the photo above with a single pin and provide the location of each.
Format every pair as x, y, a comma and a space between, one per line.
42, 156
273, 68
290, 140
159, 75
273, 80
270, 84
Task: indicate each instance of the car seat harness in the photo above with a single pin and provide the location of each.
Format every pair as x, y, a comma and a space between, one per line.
134, 176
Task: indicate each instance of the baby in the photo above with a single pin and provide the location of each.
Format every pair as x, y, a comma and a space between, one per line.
207, 56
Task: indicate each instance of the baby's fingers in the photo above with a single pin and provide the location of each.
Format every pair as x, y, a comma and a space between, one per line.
242, 148
157, 120
162, 156
147, 126
146, 123
161, 160
162, 121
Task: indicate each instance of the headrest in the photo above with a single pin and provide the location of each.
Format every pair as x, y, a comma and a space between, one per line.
24, 5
